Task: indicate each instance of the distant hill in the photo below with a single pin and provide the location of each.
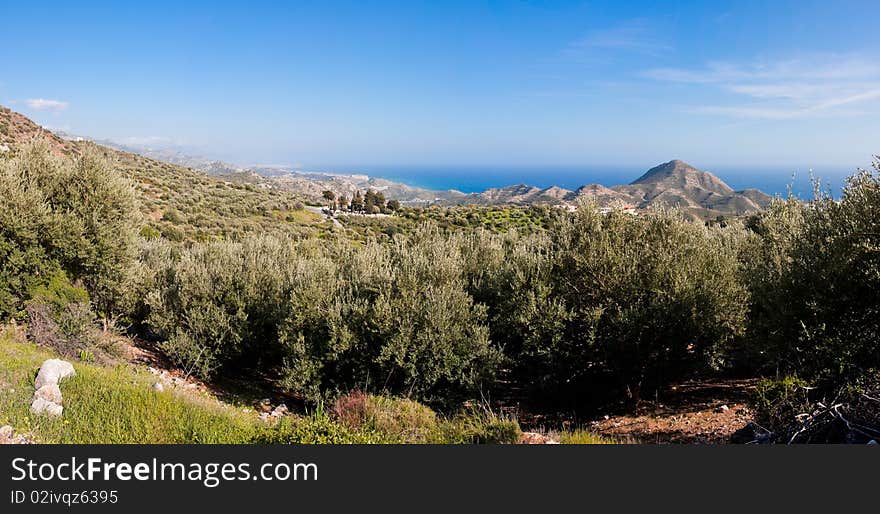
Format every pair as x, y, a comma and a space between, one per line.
675, 183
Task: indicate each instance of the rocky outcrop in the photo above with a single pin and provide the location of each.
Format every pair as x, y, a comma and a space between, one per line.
47, 399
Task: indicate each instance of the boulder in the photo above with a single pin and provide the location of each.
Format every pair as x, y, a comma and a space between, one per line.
50, 393
6, 432
158, 387
41, 406
53, 371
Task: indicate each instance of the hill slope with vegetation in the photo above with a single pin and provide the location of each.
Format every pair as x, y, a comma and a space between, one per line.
572, 311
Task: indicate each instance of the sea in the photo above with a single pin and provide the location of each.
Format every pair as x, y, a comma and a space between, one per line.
473, 179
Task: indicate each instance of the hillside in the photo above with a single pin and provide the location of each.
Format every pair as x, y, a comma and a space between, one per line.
181, 203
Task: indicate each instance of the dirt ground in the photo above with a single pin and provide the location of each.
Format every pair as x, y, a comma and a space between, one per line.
696, 412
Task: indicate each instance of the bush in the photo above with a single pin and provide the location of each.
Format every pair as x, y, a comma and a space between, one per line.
633, 302
78, 216
815, 285
218, 304
398, 314
324, 319
59, 317
400, 419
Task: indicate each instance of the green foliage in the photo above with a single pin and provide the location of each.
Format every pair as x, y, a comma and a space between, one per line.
642, 300
316, 429
328, 317
815, 280
770, 393
59, 316
401, 419
582, 436
479, 425
75, 216
58, 292
219, 304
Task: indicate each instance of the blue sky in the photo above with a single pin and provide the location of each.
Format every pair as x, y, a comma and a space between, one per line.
355, 84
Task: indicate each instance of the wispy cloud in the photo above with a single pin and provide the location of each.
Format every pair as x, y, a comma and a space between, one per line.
784, 89
43, 104
638, 35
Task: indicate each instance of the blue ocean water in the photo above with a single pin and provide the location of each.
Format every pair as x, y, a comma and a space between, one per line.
778, 181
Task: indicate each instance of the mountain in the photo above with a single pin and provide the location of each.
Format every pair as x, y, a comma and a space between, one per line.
674, 184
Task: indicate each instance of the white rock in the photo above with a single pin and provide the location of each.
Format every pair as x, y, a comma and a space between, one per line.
158, 387
41, 406
53, 371
50, 393
6, 432
280, 410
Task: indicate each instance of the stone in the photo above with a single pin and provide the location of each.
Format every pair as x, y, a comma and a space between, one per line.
50, 393
53, 371
723, 408
6, 432
41, 406
535, 438
158, 387
872, 442
280, 410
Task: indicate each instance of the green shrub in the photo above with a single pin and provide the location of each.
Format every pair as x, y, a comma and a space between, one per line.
770, 393
815, 282
326, 317
60, 317
398, 312
634, 301
78, 216
400, 419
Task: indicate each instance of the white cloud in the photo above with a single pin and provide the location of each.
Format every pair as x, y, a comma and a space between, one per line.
636, 35
808, 86
43, 104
